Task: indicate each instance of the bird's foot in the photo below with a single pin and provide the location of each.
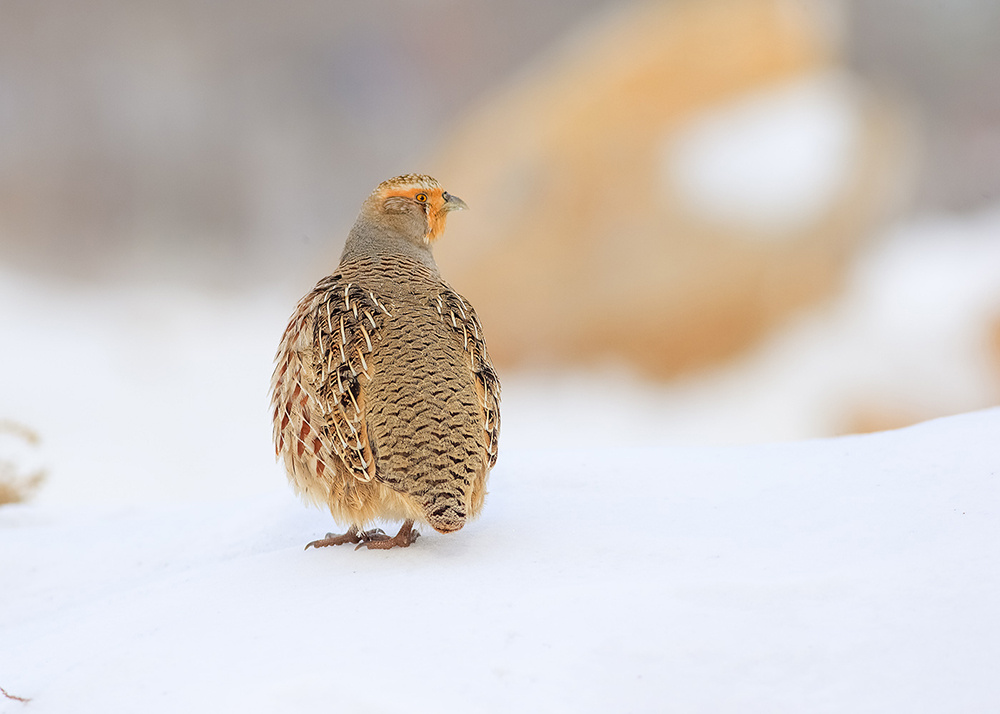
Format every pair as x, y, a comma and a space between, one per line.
353, 535
403, 539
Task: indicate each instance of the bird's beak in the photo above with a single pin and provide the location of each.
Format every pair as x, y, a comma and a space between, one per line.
453, 203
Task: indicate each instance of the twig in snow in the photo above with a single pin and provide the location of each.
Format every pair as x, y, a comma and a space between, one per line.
11, 696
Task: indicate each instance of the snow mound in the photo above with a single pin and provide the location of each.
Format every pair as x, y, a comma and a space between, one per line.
857, 573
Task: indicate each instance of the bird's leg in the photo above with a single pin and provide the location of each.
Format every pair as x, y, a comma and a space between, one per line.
403, 539
353, 535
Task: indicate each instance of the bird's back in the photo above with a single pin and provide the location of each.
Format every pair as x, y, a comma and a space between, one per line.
423, 406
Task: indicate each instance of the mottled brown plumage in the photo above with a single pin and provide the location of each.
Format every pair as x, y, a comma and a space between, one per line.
386, 406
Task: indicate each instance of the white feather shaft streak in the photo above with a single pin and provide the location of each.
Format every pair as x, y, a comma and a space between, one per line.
343, 441
379, 305
357, 409
364, 363
368, 340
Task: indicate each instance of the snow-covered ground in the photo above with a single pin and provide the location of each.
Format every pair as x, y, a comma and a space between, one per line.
630, 558
852, 574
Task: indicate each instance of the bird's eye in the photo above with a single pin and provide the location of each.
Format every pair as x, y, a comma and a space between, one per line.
421, 197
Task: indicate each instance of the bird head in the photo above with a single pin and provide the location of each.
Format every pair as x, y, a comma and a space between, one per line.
415, 205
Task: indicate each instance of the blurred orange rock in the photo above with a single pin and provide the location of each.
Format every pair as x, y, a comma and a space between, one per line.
667, 186
867, 419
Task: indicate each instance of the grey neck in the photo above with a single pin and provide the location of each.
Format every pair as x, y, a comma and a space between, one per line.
366, 241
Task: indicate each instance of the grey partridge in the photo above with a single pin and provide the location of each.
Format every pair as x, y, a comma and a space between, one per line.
386, 405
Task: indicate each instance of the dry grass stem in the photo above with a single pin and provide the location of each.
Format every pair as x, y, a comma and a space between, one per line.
11, 696
15, 486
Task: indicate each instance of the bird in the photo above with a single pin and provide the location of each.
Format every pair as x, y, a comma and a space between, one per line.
386, 406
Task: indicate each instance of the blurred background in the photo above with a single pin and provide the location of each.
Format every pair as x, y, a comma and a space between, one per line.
711, 221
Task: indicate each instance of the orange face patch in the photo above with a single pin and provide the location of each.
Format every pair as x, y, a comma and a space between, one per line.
422, 190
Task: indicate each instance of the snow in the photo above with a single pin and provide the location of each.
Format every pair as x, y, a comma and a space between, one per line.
851, 574
145, 392
631, 557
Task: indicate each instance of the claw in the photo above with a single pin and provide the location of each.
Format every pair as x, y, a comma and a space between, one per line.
352, 536
403, 539
374, 538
